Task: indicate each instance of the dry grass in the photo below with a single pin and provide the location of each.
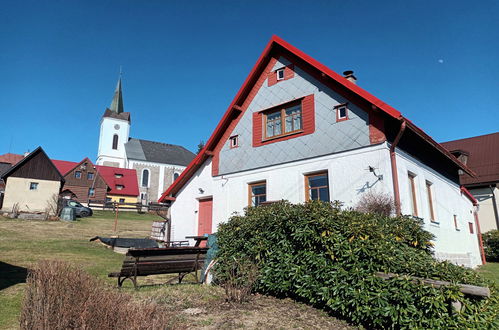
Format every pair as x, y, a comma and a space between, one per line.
24, 243
61, 296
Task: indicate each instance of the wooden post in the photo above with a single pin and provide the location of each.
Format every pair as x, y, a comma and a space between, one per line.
464, 288
116, 217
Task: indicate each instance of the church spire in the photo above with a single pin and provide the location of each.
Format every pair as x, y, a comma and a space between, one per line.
117, 103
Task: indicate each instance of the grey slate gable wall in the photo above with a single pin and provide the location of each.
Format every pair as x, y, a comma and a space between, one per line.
329, 136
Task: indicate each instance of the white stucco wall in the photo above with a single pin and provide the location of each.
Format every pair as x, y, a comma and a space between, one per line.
457, 245
349, 178
348, 173
17, 191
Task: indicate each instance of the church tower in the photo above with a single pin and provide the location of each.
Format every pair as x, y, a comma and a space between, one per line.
114, 132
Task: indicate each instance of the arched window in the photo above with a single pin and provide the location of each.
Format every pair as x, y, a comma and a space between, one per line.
115, 141
175, 176
145, 178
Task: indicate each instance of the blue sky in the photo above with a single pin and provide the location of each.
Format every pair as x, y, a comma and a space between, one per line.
183, 62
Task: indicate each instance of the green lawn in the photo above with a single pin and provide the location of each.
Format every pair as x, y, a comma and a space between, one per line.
23, 243
490, 271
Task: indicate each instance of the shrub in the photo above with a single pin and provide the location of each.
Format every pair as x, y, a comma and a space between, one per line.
491, 245
238, 280
61, 296
325, 256
373, 202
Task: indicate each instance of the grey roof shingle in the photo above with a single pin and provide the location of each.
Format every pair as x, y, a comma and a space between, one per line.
158, 152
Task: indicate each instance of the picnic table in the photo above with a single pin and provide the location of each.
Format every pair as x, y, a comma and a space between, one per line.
198, 239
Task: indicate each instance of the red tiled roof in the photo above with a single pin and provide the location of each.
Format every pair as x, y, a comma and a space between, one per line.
10, 158
483, 157
108, 173
64, 166
128, 181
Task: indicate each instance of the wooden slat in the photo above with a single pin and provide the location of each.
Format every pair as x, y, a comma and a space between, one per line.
464, 288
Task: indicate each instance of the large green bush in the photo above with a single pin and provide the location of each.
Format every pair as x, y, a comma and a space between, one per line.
491, 245
326, 256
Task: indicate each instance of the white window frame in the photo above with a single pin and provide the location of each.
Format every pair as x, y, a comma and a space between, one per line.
278, 73
234, 141
339, 112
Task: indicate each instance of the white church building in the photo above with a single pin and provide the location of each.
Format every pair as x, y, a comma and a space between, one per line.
157, 164
297, 130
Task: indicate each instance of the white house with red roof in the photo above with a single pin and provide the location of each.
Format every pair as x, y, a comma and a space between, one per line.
297, 130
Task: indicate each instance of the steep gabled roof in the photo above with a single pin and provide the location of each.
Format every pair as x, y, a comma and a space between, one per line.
26, 159
277, 44
158, 152
483, 157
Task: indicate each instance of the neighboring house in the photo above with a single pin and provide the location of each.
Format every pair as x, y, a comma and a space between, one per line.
10, 158
32, 183
122, 183
111, 183
83, 180
157, 164
481, 154
297, 130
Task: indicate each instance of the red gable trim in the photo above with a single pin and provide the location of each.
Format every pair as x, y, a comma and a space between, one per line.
233, 110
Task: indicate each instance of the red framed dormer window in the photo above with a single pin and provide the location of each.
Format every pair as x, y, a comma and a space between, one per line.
288, 120
281, 74
234, 141
341, 112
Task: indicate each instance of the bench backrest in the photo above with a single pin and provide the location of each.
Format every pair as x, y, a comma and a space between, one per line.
163, 260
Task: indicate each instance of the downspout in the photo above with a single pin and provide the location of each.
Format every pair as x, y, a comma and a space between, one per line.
395, 177
479, 235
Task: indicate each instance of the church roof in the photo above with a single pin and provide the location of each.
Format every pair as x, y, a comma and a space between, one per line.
112, 114
158, 152
117, 103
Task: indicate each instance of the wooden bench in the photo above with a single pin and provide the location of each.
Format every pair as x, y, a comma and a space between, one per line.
154, 261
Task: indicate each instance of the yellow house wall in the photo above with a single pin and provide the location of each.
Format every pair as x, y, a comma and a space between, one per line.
128, 199
17, 191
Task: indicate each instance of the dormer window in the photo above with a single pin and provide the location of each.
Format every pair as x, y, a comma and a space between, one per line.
234, 141
118, 175
120, 187
280, 74
341, 112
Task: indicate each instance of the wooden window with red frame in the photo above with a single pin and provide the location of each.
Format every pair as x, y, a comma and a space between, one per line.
285, 121
281, 74
341, 112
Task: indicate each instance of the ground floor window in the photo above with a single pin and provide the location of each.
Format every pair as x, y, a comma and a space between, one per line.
91, 192
257, 193
122, 200
317, 186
